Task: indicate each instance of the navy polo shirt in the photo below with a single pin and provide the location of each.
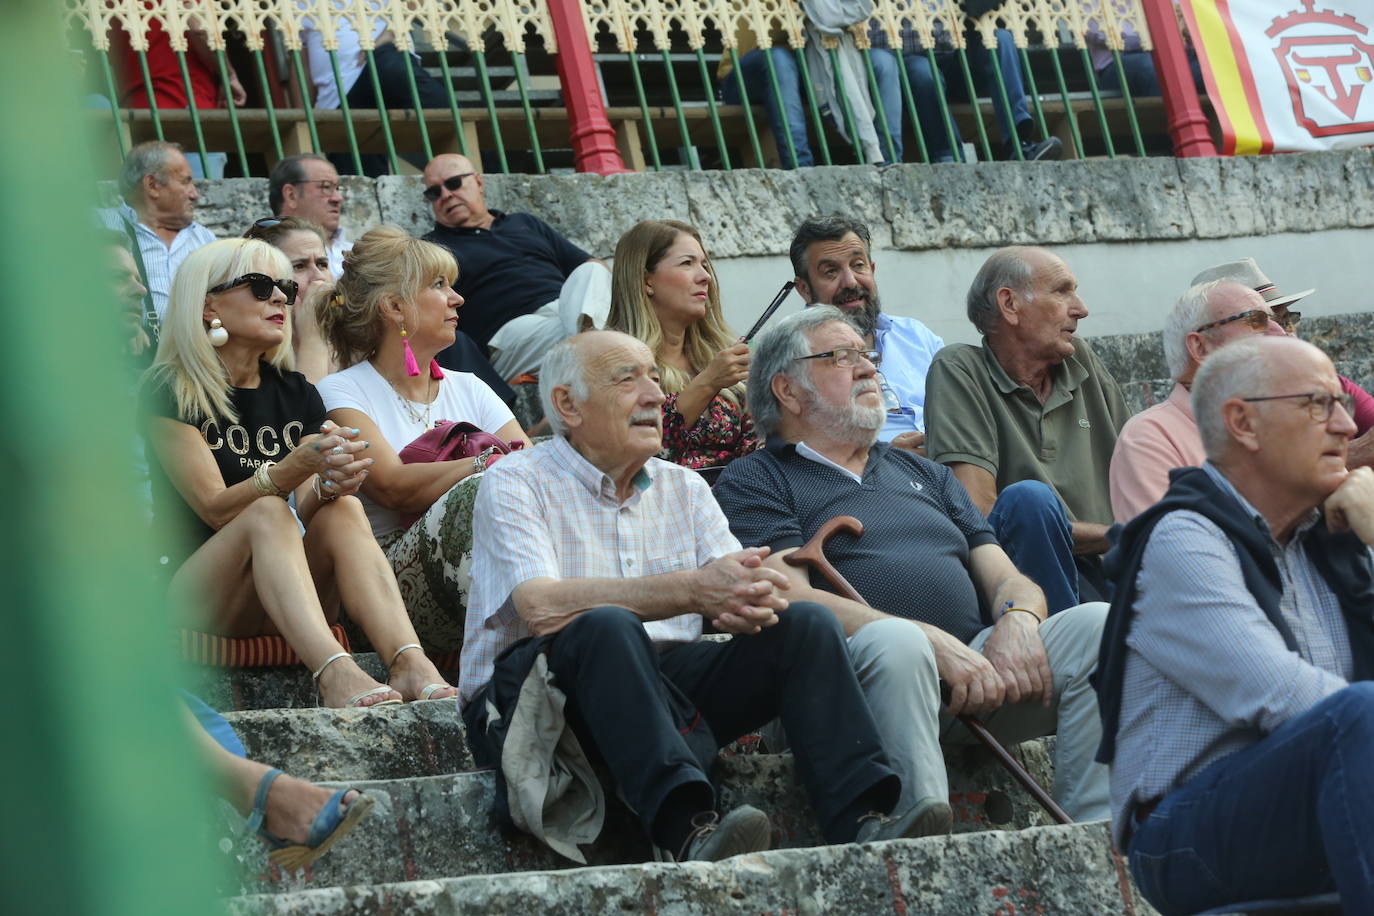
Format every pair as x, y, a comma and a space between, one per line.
511, 269
919, 527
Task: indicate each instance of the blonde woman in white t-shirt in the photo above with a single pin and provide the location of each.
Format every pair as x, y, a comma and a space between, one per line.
392, 310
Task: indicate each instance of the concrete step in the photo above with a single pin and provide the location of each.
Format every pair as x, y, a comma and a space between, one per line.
426, 739
393, 742
1068, 869
430, 827
277, 687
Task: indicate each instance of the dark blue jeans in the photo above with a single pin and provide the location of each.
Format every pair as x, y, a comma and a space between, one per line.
1290, 816
1034, 530
754, 68
925, 83
797, 670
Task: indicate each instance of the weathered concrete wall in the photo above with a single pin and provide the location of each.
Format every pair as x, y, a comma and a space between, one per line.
1134, 231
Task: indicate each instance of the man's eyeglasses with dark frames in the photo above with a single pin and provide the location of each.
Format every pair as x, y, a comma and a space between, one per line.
327, 185
1258, 319
1320, 405
261, 286
451, 183
846, 357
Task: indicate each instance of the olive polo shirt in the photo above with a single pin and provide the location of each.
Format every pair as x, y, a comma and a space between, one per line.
976, 414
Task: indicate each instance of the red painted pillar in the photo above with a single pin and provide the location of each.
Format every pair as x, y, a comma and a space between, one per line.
593, 138
1187, 123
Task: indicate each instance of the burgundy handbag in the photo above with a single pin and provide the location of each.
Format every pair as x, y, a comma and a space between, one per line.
449, 441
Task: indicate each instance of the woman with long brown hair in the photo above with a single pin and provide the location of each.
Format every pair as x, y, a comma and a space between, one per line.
664, 292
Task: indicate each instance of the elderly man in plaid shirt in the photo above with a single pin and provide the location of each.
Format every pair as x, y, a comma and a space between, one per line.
620, 557
1233, 680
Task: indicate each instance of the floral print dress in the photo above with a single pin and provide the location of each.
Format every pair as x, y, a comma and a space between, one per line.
721, 434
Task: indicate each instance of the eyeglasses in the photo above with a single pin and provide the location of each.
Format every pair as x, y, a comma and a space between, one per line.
1288, 319
1258, 319
451, 183
1320, 404
261, 285
327, 185
846, 357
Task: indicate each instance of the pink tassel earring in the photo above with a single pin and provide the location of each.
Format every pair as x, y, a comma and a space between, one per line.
412, 367
434, 371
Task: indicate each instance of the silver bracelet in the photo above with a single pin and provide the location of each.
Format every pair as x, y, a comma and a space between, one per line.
320, 495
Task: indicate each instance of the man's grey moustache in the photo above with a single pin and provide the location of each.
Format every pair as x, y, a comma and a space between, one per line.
645, 417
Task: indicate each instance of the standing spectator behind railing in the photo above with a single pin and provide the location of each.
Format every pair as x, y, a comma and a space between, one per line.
1139, 64
357, 84
169, 89
664, 293
925, 83
158, 213
790, 99
306, 186
234, 433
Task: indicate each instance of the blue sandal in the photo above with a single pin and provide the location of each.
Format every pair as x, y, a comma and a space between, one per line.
331, 824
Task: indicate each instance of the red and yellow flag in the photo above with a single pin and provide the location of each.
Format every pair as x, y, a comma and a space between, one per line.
1287, 75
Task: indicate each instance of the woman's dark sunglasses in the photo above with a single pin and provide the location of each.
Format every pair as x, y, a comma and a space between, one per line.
452, 183
261, 285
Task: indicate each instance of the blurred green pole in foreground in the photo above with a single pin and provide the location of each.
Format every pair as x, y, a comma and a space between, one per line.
101, 791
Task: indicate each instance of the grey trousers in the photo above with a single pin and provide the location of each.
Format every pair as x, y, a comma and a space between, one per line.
896, 668
522, 343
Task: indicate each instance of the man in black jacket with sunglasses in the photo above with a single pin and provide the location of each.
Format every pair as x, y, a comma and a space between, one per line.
525, 286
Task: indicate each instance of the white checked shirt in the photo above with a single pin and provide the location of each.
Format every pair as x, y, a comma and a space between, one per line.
160, 261
549, 513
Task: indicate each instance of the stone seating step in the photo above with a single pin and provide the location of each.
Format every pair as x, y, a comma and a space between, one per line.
426, 739
1068, 869
444, 825
273, 687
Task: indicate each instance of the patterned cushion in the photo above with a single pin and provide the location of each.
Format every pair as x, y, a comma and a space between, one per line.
248, 652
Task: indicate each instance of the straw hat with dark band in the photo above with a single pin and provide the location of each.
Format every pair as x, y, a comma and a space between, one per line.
1247, 273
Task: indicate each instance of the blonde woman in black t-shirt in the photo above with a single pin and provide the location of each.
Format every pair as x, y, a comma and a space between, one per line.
233, 433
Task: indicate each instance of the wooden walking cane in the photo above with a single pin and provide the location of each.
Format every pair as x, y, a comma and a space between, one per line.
812, 554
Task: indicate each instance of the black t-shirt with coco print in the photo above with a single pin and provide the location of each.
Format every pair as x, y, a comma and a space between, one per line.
273, 418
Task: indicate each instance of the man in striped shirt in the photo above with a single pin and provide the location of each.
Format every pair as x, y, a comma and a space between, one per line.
1237, 717
158, 214
619, 557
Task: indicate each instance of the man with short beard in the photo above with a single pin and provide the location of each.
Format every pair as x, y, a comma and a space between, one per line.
929, 564
833, 264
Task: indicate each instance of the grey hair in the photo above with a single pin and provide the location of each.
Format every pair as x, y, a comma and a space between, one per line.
289, 171
1236, 370
1006, 268
823, 229
774, 352
1187, 314
562, 366
149, 158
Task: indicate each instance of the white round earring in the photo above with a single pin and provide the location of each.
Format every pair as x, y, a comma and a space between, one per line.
218, 336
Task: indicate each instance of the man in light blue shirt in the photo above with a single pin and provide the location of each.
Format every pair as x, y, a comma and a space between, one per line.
832, 259
159, 214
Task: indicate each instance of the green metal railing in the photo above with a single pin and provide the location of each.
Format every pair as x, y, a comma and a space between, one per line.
491, 95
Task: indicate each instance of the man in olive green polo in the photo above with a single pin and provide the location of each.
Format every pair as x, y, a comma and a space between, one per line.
1028, 421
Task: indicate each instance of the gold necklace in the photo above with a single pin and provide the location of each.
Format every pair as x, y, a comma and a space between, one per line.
415, 415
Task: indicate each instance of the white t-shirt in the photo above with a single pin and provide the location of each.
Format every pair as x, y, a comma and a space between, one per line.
462, 398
